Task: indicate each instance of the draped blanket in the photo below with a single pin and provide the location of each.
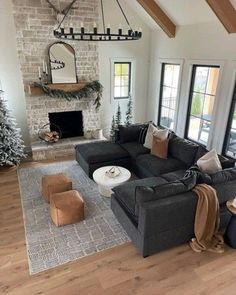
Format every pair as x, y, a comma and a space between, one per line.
207, 221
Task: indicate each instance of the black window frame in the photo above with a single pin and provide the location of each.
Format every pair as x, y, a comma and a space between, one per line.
129, 85
229, 125
190, 99
161, 92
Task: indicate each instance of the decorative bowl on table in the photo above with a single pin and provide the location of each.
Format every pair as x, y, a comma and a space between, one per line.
113, 172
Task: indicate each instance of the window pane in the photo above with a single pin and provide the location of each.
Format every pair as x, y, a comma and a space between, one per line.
204, 132
208, 107
171, 75
117, 81
202, 98
231, 140
117, 69
197, 104
124, 80
124, 91
117, 92
168, 95
167, 117
194, 128
125, 69
201, 78
212, 81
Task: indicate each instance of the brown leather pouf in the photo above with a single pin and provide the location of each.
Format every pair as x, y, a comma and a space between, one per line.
66, 207
55, 183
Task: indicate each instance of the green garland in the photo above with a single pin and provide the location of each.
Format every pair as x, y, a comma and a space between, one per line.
90, 89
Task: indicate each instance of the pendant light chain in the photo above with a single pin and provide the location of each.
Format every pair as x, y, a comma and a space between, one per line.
103, 17
105, 35
122, 11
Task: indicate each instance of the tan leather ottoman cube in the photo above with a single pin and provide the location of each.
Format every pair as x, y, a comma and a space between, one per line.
66, 207
55, 183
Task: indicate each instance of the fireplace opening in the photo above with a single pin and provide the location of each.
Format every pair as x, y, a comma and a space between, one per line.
70, 123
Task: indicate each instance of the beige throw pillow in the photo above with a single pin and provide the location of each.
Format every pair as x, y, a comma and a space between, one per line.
159, 147
210, 162
152, 130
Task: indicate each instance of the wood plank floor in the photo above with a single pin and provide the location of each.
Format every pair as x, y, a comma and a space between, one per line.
120, 270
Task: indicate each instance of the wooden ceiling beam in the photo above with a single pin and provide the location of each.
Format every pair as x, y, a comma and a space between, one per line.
225, 12
159, 16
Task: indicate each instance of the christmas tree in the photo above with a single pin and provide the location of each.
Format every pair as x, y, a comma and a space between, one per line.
11, 143
118, 116
128, 115
113, 129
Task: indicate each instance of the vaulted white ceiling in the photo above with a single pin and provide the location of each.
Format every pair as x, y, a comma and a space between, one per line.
181, 12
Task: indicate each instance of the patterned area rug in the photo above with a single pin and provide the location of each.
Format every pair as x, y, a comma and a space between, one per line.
49, 246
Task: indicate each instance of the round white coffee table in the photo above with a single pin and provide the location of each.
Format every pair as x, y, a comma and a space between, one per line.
106, 183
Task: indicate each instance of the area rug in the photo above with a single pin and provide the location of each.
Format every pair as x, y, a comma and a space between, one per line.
49, 246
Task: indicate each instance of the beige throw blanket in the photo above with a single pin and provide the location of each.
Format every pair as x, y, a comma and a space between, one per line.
207, 221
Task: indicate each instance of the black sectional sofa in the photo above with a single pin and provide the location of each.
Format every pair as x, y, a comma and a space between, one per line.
157, 210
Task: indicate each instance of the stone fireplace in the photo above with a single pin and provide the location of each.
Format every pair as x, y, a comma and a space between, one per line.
39, 109
70, 124
34, 22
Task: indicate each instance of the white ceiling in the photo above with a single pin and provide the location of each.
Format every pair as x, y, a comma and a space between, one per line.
181, 12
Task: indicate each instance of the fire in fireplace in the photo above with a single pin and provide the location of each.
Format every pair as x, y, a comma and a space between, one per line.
70, 123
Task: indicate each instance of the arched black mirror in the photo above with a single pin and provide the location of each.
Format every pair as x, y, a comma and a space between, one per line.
62, 63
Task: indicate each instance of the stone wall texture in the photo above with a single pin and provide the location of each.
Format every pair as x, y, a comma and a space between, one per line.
34, 22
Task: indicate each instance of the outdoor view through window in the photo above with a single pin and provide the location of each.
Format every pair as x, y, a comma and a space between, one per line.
201, 103
168, 95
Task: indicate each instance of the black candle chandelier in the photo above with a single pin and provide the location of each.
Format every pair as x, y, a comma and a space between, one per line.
81, 34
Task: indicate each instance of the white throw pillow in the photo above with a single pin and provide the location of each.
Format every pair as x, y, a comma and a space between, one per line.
162, 134
210, 162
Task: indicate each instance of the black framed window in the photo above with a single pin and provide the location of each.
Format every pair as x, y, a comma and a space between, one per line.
201, 102
230, 135
168, 95
122, 79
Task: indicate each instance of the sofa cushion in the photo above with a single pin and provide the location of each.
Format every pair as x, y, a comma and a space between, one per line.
209, 163
182, 149
175, 175
225, 191
129, 133
157, 166
125, 193
135, 149
101, 152
225, 162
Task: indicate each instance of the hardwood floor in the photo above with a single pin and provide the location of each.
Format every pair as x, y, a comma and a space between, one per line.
120, 270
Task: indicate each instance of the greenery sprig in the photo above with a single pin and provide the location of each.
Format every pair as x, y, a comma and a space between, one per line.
94, 87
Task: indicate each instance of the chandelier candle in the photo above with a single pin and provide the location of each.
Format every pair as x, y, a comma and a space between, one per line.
105, 35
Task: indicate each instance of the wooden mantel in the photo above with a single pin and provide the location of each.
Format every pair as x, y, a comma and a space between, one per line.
33, 90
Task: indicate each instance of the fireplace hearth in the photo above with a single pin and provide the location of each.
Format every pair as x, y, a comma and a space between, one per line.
70, 123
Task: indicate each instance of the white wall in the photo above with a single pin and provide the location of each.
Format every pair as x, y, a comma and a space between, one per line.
207, 43
10, 75
138, 51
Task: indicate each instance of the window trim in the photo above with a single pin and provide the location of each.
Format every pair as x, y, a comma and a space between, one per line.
111, 75
229, 123
129, 74
190, 99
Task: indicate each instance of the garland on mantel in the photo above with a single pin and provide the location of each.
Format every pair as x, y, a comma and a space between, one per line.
89, 90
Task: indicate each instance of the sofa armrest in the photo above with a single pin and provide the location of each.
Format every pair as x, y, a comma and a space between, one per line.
167, 213
226, 162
